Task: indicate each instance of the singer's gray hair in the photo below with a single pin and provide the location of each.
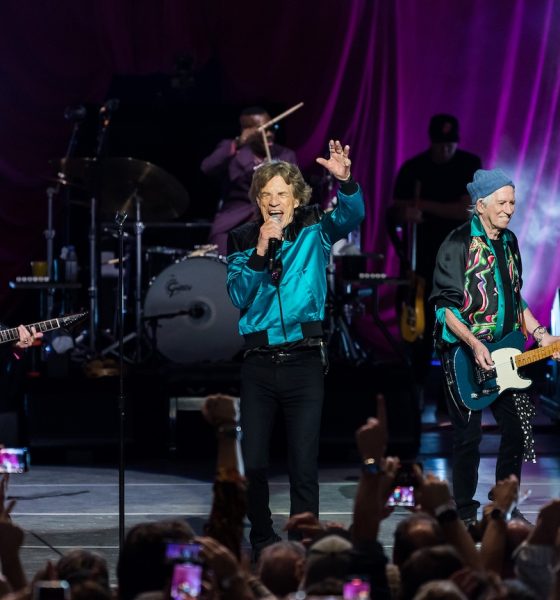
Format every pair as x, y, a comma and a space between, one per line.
289, 173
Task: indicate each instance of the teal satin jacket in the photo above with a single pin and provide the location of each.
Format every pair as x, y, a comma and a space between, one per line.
277, 314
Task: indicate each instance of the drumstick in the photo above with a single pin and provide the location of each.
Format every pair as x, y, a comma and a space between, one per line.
266, 146
281, 116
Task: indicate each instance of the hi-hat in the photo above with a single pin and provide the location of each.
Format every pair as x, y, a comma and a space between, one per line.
118, 183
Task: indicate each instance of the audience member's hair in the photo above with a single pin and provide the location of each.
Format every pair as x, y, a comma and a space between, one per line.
280, 567
79, 566
330, 557
329, 586
90, 590
426, 564
418, 530
439, 589
142, 566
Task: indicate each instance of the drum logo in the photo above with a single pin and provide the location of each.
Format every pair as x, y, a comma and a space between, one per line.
173, 286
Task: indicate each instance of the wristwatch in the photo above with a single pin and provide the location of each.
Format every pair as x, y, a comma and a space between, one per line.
372, 466
231, 431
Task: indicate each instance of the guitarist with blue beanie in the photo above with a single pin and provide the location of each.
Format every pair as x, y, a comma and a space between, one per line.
482, 322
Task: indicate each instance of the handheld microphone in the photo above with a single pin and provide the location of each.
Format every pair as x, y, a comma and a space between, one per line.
273, 245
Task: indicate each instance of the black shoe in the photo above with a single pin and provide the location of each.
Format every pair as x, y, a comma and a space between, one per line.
260, 546
517, 514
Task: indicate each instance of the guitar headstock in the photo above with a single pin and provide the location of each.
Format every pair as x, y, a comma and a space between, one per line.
69, 320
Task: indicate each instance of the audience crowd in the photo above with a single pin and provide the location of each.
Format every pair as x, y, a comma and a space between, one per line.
434, 555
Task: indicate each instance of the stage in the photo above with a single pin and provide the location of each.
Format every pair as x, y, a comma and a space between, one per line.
76, 505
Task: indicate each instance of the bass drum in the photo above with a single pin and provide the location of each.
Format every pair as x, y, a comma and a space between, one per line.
193, 315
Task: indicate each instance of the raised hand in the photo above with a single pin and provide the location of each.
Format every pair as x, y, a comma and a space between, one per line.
371, 438
338, 163
220, 409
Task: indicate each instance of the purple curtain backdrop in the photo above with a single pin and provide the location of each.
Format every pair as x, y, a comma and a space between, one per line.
371, 72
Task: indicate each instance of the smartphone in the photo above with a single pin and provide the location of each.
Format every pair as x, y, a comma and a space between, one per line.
14, 460
183, 552
51, 590
186, 581
356, 588
403, 490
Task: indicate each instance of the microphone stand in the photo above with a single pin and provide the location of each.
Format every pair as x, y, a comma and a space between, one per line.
120, 218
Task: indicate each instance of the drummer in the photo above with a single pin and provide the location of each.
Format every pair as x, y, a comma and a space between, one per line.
233, 162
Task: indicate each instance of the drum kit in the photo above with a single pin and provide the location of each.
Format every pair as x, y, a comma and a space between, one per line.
181, 309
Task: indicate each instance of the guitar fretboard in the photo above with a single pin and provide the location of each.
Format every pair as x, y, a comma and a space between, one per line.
531, 356
12, 335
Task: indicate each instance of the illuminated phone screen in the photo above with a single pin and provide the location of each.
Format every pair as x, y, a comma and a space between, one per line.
186, 582
402, 496
356, 589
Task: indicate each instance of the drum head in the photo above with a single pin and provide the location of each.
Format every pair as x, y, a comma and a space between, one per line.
209, 330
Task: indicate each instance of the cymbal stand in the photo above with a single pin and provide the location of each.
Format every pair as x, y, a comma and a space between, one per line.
138, 230
92, 287
49, 236
105, 115
76, 115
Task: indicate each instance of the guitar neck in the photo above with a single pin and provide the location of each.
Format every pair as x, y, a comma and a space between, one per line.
12, 335
531, 356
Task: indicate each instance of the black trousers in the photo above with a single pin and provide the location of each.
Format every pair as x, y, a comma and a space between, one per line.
467, 434
292, 382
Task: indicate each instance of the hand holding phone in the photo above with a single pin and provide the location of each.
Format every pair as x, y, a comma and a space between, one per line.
405, 484
186, 579
51, 590
14, 460
183, 552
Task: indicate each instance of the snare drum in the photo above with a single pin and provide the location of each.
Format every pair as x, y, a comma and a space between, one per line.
193, 315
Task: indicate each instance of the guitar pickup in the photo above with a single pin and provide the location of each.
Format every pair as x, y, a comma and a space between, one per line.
482, 375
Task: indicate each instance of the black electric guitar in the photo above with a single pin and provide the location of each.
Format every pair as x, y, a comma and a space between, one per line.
477, 388
12, 335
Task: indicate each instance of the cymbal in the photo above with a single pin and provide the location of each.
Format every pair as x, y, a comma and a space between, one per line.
119, 183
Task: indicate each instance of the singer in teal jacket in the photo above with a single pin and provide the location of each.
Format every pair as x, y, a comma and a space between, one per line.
276, 276
276, 314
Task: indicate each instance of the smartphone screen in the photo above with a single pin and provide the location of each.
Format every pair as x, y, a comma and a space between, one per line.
14, 460
183, 551
402, 496
186, 581
356, 589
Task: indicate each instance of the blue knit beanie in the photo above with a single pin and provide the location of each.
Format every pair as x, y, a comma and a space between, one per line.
485, 183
